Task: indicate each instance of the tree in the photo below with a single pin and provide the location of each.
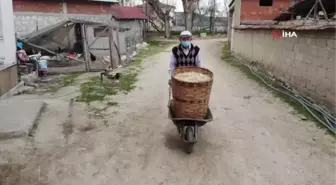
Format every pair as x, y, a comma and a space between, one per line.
126, 2
225, 13
189, 6
201, 12
208, 11
212, 17
163, 11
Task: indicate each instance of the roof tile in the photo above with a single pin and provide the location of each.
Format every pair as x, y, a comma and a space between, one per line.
127, 12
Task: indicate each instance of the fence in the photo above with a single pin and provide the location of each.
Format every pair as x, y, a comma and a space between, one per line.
198, 28
195, 28
79, 46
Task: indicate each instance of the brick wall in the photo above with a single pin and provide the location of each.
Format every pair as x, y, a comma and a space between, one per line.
88, 8
307, 63
71, 7
250, 9
40, 6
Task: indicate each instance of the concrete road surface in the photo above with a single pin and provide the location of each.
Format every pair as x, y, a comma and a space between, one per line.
255, 139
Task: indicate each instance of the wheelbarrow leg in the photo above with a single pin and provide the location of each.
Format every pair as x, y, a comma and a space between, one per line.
189, 136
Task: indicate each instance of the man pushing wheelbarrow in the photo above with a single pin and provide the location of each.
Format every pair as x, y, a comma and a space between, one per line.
190, 86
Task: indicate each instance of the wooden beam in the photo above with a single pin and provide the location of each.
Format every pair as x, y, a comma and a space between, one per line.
97, 37
112, 64
85, 48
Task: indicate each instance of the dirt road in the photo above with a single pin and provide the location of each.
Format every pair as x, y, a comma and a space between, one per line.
253, 140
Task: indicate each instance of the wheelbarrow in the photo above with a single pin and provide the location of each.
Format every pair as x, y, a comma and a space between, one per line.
187, 127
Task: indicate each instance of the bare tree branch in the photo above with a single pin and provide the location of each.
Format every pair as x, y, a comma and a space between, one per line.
163, 12
189, 7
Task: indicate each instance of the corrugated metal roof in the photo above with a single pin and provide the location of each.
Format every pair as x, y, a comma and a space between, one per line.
48, 29
127, 12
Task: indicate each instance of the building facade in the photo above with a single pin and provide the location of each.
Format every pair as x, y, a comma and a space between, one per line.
7, 33
264, 9
8, 67
305, 62
33, 15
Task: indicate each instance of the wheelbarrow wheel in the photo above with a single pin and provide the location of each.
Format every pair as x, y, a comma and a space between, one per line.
189, 146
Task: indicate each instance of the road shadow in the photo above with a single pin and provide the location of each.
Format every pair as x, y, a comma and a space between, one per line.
173, 142
172, 139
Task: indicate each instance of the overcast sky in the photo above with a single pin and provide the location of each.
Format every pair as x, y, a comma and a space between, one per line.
179, 6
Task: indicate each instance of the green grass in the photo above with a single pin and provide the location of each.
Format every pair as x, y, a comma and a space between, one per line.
64, 81
95, 90
69, 79
298, 108
229, 58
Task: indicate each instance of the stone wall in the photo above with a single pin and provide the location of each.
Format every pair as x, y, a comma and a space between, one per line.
307, 62
28, 22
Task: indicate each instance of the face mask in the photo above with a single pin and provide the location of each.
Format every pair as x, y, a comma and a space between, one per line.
185, 43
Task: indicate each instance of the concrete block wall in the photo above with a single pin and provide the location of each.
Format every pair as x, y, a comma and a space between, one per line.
307, 62
28, 22
33, 15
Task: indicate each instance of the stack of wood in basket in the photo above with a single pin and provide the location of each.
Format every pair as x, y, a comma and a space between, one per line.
191, 87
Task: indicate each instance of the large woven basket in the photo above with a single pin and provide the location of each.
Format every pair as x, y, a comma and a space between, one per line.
191, 100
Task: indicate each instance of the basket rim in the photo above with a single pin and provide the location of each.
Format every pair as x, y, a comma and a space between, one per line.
193, 67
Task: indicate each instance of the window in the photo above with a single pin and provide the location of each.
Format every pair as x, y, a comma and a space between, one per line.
100, 32
265, 2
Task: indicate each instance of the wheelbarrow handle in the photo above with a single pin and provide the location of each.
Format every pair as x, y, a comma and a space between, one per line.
170, 91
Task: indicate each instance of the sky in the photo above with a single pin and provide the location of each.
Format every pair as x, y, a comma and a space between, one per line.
179, 6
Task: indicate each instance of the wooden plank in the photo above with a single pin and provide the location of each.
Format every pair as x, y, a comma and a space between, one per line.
97, 37
85, 48
113, 66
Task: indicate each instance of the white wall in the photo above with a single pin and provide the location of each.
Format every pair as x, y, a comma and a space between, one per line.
7, 33
235, 20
